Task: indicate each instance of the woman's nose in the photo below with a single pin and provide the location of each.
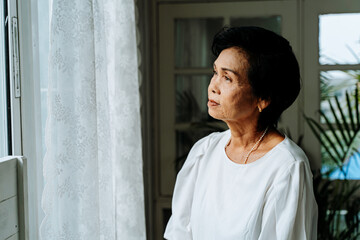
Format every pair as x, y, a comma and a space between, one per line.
213, 86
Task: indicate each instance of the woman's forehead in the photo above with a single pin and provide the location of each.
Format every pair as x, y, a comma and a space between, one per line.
232, 59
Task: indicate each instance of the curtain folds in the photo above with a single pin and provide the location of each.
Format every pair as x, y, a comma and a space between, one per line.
93, 164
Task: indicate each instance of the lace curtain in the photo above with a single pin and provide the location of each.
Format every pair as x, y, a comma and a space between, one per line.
93, 164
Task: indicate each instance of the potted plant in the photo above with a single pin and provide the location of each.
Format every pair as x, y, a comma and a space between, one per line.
338, 200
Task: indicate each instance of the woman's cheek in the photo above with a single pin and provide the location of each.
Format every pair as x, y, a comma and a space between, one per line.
227, 111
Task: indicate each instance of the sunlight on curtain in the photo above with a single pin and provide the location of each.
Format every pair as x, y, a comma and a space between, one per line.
93, 164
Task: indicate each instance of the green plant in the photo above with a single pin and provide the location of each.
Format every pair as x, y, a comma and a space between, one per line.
340, 138
338, 201
338, 208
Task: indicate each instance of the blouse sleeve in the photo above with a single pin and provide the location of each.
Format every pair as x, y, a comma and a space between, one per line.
290, 212
178, 227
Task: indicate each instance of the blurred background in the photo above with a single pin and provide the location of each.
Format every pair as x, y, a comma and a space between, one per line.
175, 67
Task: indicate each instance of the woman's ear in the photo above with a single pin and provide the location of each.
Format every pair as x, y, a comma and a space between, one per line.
262, 104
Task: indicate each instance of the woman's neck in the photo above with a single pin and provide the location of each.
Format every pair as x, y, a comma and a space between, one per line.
243, 135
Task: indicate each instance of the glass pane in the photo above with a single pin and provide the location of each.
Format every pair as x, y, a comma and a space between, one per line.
272, 23
43, 99
4, 135
339, 38
336, 83
43, 23
193, 39
351, 166
191, 98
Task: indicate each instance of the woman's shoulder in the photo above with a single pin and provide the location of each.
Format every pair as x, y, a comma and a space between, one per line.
211, 139
290, 155
292, 151
201, 146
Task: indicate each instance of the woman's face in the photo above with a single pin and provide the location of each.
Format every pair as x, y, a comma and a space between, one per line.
230, 94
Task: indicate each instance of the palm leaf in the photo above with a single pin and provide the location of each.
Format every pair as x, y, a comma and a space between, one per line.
339, 143
345, 138
350, 111
344, 122
357, 105
318, 131
334, 133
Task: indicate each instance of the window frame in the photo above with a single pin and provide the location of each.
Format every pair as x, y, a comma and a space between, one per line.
26, 129
312, 68
4, 82
21, 105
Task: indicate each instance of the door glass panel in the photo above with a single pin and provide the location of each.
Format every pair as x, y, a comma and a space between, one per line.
351, 165
4, 134
191, 98
336, 83
193, 39
339, 44
339, 38
272, 23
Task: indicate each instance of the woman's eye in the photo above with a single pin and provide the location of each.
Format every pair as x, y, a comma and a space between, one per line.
214, 72
227, 78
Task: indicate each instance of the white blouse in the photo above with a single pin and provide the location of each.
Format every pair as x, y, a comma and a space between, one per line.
215, 198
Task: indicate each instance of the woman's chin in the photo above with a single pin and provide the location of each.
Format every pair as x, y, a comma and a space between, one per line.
215, 115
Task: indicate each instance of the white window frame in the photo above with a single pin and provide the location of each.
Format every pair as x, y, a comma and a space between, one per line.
3, 86
15, 104
23, 124
312, 68
25, 110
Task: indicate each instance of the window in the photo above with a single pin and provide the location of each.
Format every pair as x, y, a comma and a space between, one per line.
330, 50
339, 59
43, 38
17, 115
5, 137
10, 91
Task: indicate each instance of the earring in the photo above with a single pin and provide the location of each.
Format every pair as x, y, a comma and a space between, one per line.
260, 110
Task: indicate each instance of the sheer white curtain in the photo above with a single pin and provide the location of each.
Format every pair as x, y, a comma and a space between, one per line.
93, 164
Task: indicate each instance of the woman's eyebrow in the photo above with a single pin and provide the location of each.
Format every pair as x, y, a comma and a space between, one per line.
230, 70
227, 69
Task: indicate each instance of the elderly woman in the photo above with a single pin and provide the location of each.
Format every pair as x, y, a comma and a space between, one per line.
251, 181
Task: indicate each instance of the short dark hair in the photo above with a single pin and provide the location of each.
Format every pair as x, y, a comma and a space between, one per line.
273, 71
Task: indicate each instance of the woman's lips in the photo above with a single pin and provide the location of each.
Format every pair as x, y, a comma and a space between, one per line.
212, 103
